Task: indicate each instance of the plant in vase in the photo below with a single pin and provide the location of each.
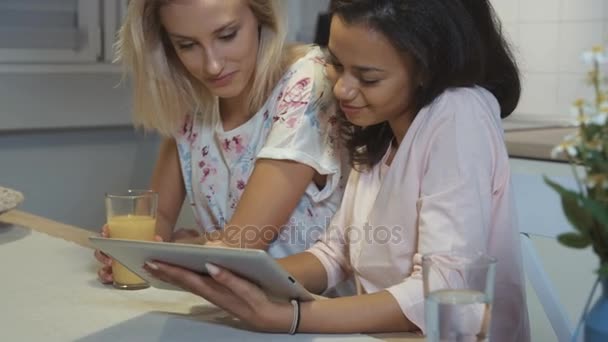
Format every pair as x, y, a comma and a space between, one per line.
587, 206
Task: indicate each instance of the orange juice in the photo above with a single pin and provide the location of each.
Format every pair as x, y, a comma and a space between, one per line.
131, 227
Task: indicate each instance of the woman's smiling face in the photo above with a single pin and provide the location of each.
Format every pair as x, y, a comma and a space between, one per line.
373, 82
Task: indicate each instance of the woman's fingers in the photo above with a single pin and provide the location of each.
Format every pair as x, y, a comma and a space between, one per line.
102, 258
105, 231
202, 286
99, 255
237, 296
185, 279
105, 274
254, 307
216, 243
185, 234
249, 292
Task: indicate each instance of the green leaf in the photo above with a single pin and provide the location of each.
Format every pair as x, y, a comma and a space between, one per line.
603, 271
574, 240
597, 209
578, 216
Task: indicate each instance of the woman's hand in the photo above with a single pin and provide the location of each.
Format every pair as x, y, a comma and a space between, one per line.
104, 274
236, 295
184, 235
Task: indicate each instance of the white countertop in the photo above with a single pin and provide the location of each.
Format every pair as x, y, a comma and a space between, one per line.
49, 292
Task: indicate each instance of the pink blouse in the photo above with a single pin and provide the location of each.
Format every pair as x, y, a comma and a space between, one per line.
448, 188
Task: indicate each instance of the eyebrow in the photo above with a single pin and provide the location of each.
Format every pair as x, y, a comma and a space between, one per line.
359, 68
216, 31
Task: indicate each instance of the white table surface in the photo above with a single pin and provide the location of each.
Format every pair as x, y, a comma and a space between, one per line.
49, 292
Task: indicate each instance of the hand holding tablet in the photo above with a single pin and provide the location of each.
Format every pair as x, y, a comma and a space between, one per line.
252, 264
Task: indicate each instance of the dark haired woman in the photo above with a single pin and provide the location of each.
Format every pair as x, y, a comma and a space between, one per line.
422, 86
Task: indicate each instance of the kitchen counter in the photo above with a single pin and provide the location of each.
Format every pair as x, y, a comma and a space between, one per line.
528, 139
50, 275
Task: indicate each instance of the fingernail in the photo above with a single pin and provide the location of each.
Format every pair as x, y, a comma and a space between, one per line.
212, 269
152, 265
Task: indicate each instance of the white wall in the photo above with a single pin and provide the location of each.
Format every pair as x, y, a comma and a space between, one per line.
65, 173
549, 37
67, 99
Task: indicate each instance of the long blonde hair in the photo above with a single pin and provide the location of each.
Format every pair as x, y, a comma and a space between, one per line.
164, 92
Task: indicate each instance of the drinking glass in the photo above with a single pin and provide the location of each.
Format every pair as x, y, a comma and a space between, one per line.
458, 290
130, 215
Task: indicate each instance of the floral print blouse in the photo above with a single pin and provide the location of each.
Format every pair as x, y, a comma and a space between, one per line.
296, 123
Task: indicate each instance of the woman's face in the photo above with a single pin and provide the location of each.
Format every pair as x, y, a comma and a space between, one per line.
216, 40
372, 81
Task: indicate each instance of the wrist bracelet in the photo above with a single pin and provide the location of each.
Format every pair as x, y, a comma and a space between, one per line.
299, 316
296, 316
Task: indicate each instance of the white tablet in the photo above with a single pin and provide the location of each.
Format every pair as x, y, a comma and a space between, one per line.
253, 264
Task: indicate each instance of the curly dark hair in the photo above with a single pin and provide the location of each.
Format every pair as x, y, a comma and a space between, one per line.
454, 43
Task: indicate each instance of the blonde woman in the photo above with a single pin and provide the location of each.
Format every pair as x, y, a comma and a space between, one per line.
248, 122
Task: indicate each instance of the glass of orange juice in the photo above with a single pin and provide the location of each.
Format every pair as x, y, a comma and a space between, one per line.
131, 215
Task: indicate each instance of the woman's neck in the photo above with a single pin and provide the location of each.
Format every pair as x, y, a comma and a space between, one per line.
235, 111
400, 125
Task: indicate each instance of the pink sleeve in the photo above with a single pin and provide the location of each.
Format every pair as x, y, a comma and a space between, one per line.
410, 296
331, 251
455, 201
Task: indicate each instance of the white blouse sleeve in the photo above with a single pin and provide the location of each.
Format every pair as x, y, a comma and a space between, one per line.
304, 128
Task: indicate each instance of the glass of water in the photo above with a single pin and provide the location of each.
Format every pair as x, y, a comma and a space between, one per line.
459, 289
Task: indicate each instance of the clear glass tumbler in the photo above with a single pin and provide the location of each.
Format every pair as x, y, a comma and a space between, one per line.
459, 290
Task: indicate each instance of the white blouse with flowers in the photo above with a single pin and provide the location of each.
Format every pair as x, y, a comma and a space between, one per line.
296, 123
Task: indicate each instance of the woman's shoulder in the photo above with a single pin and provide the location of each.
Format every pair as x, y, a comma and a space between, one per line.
463, 109
300, 53
468, 99
464, 104
306, 76
305, 60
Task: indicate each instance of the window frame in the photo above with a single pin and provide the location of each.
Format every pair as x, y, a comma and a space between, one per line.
113, 13
89, 22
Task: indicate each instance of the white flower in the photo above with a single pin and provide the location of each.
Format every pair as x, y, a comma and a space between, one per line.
572, 151
581, 110
599, 119
597, 54
566, 147
582, 119
556, 151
